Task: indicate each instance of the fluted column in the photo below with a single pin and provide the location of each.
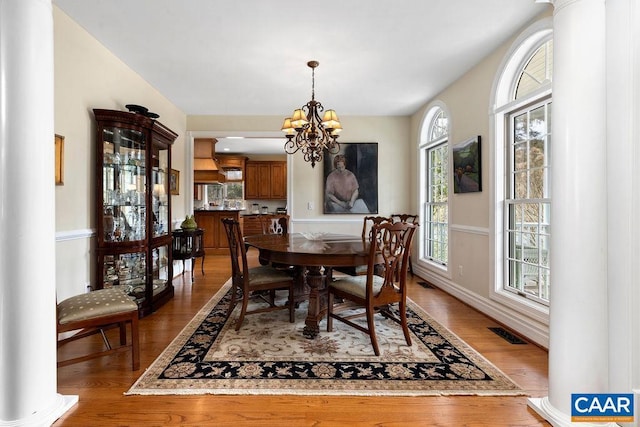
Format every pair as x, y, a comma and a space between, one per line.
27, 224
578, 337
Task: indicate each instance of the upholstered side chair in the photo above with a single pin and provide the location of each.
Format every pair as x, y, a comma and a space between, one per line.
95, 312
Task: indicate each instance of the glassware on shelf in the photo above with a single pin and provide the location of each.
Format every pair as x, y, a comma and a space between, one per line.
133, 216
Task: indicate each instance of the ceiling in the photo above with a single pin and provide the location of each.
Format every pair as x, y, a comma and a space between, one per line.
249, 57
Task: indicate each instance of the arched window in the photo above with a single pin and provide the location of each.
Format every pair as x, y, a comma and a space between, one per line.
523, 132
434, 184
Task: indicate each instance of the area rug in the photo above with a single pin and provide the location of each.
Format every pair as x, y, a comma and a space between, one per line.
271, 356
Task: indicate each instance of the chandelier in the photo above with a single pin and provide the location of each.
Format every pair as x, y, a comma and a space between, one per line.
305, 131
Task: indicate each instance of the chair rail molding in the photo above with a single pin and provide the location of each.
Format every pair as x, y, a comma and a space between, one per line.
62, 236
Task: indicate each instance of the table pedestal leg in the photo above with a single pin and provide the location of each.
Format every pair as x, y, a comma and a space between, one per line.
317, 305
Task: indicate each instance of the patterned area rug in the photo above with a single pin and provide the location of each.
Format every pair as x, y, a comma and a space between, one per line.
269, 355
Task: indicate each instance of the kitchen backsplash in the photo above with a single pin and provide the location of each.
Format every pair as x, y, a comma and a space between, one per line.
271, 205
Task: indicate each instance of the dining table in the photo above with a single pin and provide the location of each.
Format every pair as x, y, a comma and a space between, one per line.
312, 260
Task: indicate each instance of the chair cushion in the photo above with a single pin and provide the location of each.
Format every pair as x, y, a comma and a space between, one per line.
357, 285
267, 274
98, 303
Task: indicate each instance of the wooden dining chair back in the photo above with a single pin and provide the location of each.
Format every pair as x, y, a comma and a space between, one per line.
370, 294
367, 229
369, 222
410, 218
95, 312
271, 225
254, 281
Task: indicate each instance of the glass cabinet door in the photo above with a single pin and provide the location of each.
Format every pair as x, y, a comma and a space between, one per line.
126, 270
160, 268
123, 185
160, 191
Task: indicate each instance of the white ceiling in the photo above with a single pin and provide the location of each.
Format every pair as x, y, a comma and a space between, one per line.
248, 57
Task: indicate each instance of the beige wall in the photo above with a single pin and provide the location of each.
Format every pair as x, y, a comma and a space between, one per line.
89, 76
306, 184
467, 102
469, 276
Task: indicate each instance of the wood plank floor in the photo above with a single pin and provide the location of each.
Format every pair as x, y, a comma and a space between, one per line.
100, 383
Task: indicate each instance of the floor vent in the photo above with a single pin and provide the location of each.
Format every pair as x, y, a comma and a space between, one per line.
513, 339
426, 285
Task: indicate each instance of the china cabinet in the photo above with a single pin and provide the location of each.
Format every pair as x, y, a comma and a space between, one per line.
133, 205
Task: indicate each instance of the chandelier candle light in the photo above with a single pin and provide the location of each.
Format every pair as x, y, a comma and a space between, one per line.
305, 131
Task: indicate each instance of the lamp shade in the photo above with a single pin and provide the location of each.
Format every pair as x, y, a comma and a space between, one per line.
330, 120
337, 128
287, 128
299, 119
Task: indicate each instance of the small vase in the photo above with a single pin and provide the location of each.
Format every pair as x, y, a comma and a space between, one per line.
189, 223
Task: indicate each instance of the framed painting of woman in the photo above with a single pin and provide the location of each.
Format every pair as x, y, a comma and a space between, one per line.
351, 179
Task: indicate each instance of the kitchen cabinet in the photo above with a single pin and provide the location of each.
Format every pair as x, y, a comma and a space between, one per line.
266, 180
234, 167
133, 206
214, 239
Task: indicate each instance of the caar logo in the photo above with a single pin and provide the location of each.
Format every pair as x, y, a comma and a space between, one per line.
602, 407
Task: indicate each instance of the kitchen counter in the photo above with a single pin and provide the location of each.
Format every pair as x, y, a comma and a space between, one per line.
218, 209
214, 239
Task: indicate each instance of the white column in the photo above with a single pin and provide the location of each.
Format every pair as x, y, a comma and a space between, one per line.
578, 338
27, 224
623, 159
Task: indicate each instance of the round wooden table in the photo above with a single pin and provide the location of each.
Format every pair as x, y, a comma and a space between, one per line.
313, 261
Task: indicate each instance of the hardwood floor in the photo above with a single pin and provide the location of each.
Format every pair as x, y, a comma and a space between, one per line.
100, 383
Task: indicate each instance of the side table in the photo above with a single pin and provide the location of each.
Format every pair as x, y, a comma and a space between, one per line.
187, 244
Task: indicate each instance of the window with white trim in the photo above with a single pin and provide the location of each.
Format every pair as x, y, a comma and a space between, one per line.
434, 163
527, 202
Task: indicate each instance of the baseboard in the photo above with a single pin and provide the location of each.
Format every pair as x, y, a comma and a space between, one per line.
524, 326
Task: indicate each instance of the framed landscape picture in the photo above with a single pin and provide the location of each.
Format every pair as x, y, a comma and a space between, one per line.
467, 172
351, 179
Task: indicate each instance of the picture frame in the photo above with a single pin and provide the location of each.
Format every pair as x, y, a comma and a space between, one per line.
360, 170
59, 159
174, 182
467, 166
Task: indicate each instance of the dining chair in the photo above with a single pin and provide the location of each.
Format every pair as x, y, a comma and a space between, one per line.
413, 219
367, 229
371, 294
94, 312
271, 225
256, 280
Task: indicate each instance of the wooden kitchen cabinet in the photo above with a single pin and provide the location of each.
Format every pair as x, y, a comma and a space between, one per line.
234, 166
279, 180
266, 180
214, 239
